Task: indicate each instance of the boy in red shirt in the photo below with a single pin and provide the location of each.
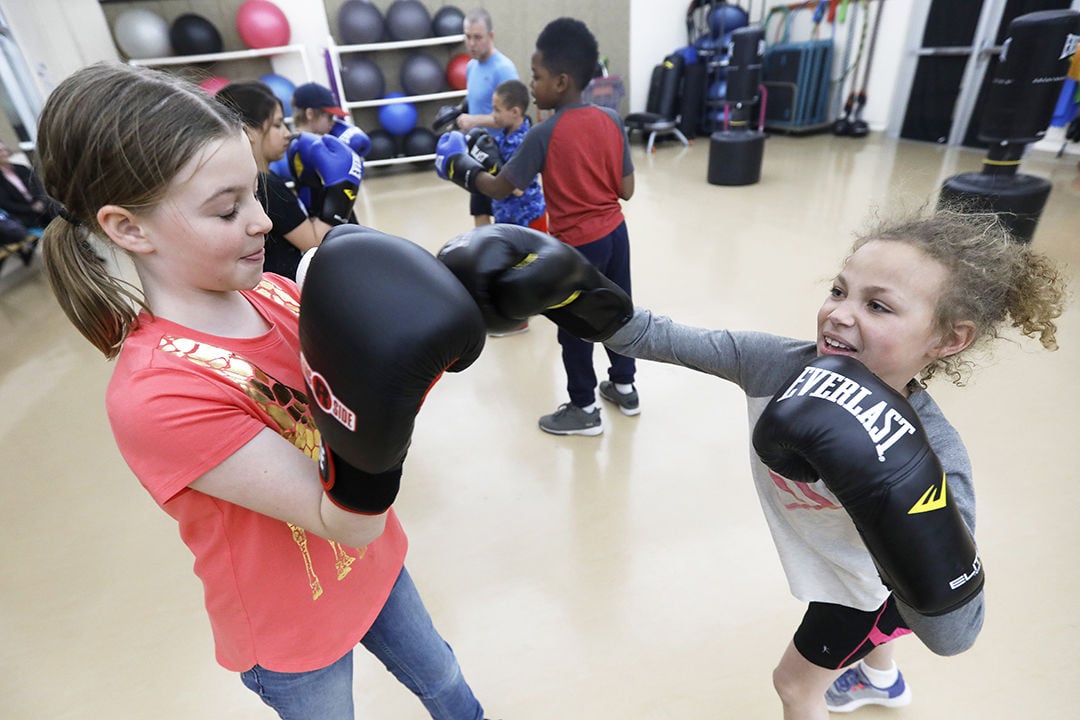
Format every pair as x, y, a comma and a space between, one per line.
583, 157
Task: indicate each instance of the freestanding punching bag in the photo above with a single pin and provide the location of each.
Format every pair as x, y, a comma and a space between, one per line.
735, 151
1019, 104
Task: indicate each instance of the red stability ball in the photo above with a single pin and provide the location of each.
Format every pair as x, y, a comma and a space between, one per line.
262, 24
213, 83
455, 71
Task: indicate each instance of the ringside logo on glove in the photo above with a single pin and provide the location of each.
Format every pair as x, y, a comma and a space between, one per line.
324, 396
381, 320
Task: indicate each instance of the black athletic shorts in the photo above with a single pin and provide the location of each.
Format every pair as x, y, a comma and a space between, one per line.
479, 204
835, 636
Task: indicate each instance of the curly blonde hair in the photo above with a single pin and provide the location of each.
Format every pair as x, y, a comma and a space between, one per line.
993, 281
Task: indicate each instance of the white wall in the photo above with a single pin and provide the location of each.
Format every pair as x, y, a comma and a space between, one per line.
656, 28
310, 29
58, 37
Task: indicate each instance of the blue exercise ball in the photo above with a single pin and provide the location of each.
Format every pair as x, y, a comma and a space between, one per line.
422, 74
397, 118
725, 18
408, 20
362, 79
192, 34
283, 89
360, 23
142, 33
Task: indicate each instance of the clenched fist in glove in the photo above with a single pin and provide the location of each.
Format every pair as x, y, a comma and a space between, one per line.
514, 272
327, 174
380, 321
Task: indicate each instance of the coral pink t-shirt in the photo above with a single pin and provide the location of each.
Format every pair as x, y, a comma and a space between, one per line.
179, 403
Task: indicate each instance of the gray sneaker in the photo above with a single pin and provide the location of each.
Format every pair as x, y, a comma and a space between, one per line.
627, 402
571, 420
852, 690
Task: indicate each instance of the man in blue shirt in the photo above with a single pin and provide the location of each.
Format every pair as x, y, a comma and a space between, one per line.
487, 69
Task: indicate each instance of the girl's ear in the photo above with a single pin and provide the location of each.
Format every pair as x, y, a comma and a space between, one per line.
123, 228
956, 339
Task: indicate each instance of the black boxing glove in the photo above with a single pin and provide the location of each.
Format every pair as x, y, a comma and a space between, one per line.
514, 272
446, 117
836, 421
380, 321
484, 150
453, 162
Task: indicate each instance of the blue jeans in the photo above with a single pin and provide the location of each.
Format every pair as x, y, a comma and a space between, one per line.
405, 641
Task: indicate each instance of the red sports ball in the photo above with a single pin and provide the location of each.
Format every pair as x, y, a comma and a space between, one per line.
262, 24
455, 71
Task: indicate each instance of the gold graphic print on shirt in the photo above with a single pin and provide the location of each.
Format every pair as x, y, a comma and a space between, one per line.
288, 409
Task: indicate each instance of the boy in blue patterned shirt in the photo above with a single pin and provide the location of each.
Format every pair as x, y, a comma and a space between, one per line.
526, 207
522, 207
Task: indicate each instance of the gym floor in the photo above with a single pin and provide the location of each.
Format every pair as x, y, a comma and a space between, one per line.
628, 576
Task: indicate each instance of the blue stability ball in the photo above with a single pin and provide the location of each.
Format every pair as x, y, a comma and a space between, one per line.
422, 74
359, 23
192, 34
408, 20
362, 79
283, 88
397, 118
725, 18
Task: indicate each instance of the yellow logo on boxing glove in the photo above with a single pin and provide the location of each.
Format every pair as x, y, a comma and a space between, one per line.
933, 499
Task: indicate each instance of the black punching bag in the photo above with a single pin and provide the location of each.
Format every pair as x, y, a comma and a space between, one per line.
735, 152
1019, 104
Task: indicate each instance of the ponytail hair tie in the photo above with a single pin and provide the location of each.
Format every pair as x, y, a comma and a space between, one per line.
69, 217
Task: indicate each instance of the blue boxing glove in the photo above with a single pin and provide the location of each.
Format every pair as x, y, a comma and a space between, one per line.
331, 173
352, 136
305, 178
452, 161
280, 167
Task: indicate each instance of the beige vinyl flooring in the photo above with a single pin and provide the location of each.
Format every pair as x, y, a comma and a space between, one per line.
622, 577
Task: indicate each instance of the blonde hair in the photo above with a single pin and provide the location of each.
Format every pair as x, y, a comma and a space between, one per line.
993, 280
113, 134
